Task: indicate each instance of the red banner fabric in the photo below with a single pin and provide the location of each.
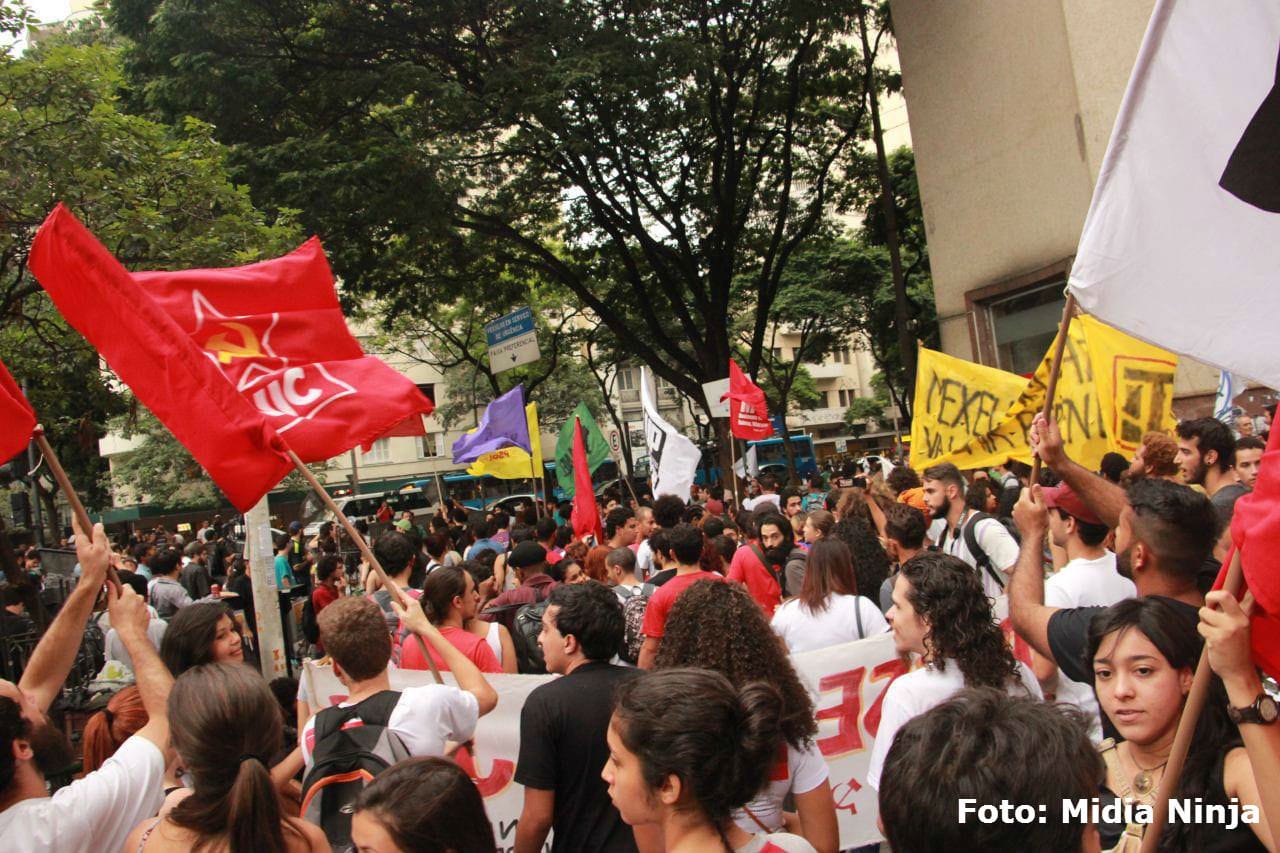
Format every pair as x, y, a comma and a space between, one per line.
275, 329
150, 353
1255, 532
586, 515
748, 412
17, 418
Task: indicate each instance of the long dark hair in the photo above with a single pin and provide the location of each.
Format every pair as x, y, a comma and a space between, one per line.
429, 805
1174, 633
188, 641
828, 571
870, 562
718, 626
945, 590
443, 585
225, 725
720, 740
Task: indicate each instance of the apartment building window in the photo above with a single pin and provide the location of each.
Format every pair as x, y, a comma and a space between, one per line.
1014, 321
428, 390
844, 398
777, 353
844, 356
626, 379
429, 445
379, 452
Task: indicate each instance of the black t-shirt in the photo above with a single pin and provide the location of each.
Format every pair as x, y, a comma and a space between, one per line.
1069, 642
563, 749
662, 577
1224, 501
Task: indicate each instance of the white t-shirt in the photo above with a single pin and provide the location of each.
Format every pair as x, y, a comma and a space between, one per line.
919, 691
805, 770
995, 541
425, 718
784, 841
753, 504
644, 559
92, 814
804, 631
1086, 583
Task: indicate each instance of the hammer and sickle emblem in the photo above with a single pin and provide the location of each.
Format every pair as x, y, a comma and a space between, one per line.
226, 350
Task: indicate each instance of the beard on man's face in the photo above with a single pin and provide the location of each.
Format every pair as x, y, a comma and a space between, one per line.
940, 511
50, 748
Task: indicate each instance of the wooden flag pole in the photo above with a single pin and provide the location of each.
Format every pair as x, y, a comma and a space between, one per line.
365, 551
69, 492
1186, 726
1055, 368
733, 470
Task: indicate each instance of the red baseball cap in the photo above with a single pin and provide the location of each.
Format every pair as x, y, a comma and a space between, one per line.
1063, 497
715, 507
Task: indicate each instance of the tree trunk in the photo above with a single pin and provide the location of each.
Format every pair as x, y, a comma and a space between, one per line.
792, 473
901, 309
724, 452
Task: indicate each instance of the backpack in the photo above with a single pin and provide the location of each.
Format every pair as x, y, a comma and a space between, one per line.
346, 758
525, 627
310, 625
633, 622
980, 558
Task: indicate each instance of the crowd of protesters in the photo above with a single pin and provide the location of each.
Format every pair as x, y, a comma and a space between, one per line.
677, 720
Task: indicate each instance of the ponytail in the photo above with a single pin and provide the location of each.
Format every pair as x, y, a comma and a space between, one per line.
108, 729
253, 810
760, 724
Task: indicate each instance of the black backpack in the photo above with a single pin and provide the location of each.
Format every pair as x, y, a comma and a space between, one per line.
345, 759
980, 558
525, 628
310, 625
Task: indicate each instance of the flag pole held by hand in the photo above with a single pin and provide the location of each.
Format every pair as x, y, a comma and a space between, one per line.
69, 492
1055, 368
1187, 726
365, 551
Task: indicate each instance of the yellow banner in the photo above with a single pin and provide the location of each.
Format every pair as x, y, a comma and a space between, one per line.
1112, 388
1135, 384
512, 463
956, 400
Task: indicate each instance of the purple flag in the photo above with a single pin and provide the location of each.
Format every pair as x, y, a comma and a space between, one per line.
504, 424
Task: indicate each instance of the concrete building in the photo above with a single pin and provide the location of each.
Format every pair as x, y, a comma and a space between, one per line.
1012, 105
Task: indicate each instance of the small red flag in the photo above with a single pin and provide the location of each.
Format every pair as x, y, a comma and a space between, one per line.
153, 356
748, 412
1255, 532
17, 418
276, 330
586, 515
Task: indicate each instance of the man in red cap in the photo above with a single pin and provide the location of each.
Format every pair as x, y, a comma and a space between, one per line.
1088, 579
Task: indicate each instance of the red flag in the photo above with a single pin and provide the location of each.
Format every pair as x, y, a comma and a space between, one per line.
17, 418
151, 354
748, 412
276, 330
586, 516
1255, 532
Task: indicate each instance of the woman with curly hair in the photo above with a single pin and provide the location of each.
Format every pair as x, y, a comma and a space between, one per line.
941, 615
719, 626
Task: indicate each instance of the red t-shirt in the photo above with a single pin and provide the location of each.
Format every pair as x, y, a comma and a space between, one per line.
475, 648
660, 604
323, 596
746, 568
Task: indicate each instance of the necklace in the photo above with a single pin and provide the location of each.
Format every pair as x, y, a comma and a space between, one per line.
1143, 781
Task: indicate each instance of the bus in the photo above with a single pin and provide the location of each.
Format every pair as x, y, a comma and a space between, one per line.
422, 498
771, 456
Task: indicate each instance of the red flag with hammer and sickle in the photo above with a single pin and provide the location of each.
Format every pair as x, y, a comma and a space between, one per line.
276, 331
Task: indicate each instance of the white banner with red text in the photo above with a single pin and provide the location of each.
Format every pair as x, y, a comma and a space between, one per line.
847, 681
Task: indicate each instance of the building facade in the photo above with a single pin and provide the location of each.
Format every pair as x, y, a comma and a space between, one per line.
1012, 105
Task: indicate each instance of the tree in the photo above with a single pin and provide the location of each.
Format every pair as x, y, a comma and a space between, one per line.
640, 155
157, 196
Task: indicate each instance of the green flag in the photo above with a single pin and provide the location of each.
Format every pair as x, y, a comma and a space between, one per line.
597, 447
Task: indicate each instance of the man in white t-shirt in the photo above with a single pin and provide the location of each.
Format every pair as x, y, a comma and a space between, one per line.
354, 633
1088, 579
98, 811
941, 615
768, 495
997, 550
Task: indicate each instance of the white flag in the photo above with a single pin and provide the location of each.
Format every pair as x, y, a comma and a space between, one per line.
673, 458
1181, 246
1229, 386
748, 465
